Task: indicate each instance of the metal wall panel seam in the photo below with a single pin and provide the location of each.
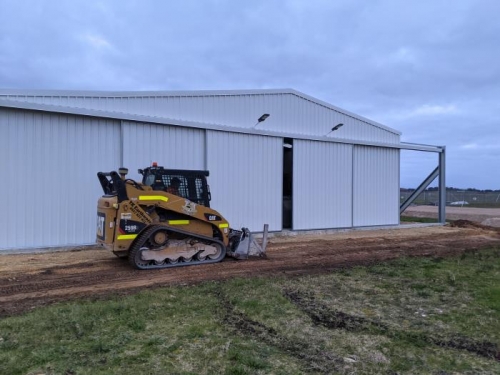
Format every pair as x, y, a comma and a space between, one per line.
399, 184
205, 151
281, 180
352, 185
121, 144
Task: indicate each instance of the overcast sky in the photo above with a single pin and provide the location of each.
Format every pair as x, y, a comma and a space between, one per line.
430, 69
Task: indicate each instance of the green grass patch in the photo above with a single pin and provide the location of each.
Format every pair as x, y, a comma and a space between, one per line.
414, 219
425, 315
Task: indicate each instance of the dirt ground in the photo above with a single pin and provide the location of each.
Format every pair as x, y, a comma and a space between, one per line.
31, 280
486, 216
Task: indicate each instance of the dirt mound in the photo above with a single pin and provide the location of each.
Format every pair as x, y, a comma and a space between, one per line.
31, 280
470, 224
492, 222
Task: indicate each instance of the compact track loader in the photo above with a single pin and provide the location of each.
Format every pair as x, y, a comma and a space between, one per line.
166, 220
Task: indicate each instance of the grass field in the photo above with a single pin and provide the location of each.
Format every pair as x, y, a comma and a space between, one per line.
432, 315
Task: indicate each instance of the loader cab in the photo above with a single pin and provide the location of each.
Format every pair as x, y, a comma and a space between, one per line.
192, 184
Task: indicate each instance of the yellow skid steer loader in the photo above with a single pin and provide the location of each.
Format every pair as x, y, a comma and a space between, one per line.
166, 220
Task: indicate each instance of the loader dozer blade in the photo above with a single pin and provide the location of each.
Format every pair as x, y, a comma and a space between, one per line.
248, 246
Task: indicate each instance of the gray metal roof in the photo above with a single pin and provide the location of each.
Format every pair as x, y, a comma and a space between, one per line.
13, 104
192, 93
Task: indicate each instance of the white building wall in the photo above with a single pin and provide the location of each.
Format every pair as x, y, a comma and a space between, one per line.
172, 147
289, 111
55, 157
246, 179
376, 186
322, 185
49, 165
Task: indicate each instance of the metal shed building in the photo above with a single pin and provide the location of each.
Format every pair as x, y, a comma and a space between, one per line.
285, 171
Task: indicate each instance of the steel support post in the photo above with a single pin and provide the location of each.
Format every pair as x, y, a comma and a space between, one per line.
442, 185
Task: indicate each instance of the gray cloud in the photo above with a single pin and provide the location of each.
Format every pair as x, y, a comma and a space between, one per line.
427, 68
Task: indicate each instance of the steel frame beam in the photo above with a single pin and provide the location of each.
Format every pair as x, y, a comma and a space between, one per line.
441, 172
442, 186
419, 190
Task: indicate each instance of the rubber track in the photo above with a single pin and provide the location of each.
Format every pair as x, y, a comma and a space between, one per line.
146, 234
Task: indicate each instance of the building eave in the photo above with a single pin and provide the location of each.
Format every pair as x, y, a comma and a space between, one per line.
47, 108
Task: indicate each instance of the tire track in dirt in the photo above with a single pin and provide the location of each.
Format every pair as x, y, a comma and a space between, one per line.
91, 278
322, 315
313, 359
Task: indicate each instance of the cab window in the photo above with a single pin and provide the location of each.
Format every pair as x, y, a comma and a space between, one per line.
150, 180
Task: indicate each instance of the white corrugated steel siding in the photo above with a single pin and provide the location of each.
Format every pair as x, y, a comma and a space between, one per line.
376, 186
172, 147
290, 112
322, 185
51, 160
50, 189
246, 178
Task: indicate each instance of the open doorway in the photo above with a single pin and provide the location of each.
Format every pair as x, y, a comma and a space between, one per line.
287, 182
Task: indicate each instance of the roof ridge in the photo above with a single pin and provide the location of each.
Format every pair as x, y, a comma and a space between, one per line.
192, 93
